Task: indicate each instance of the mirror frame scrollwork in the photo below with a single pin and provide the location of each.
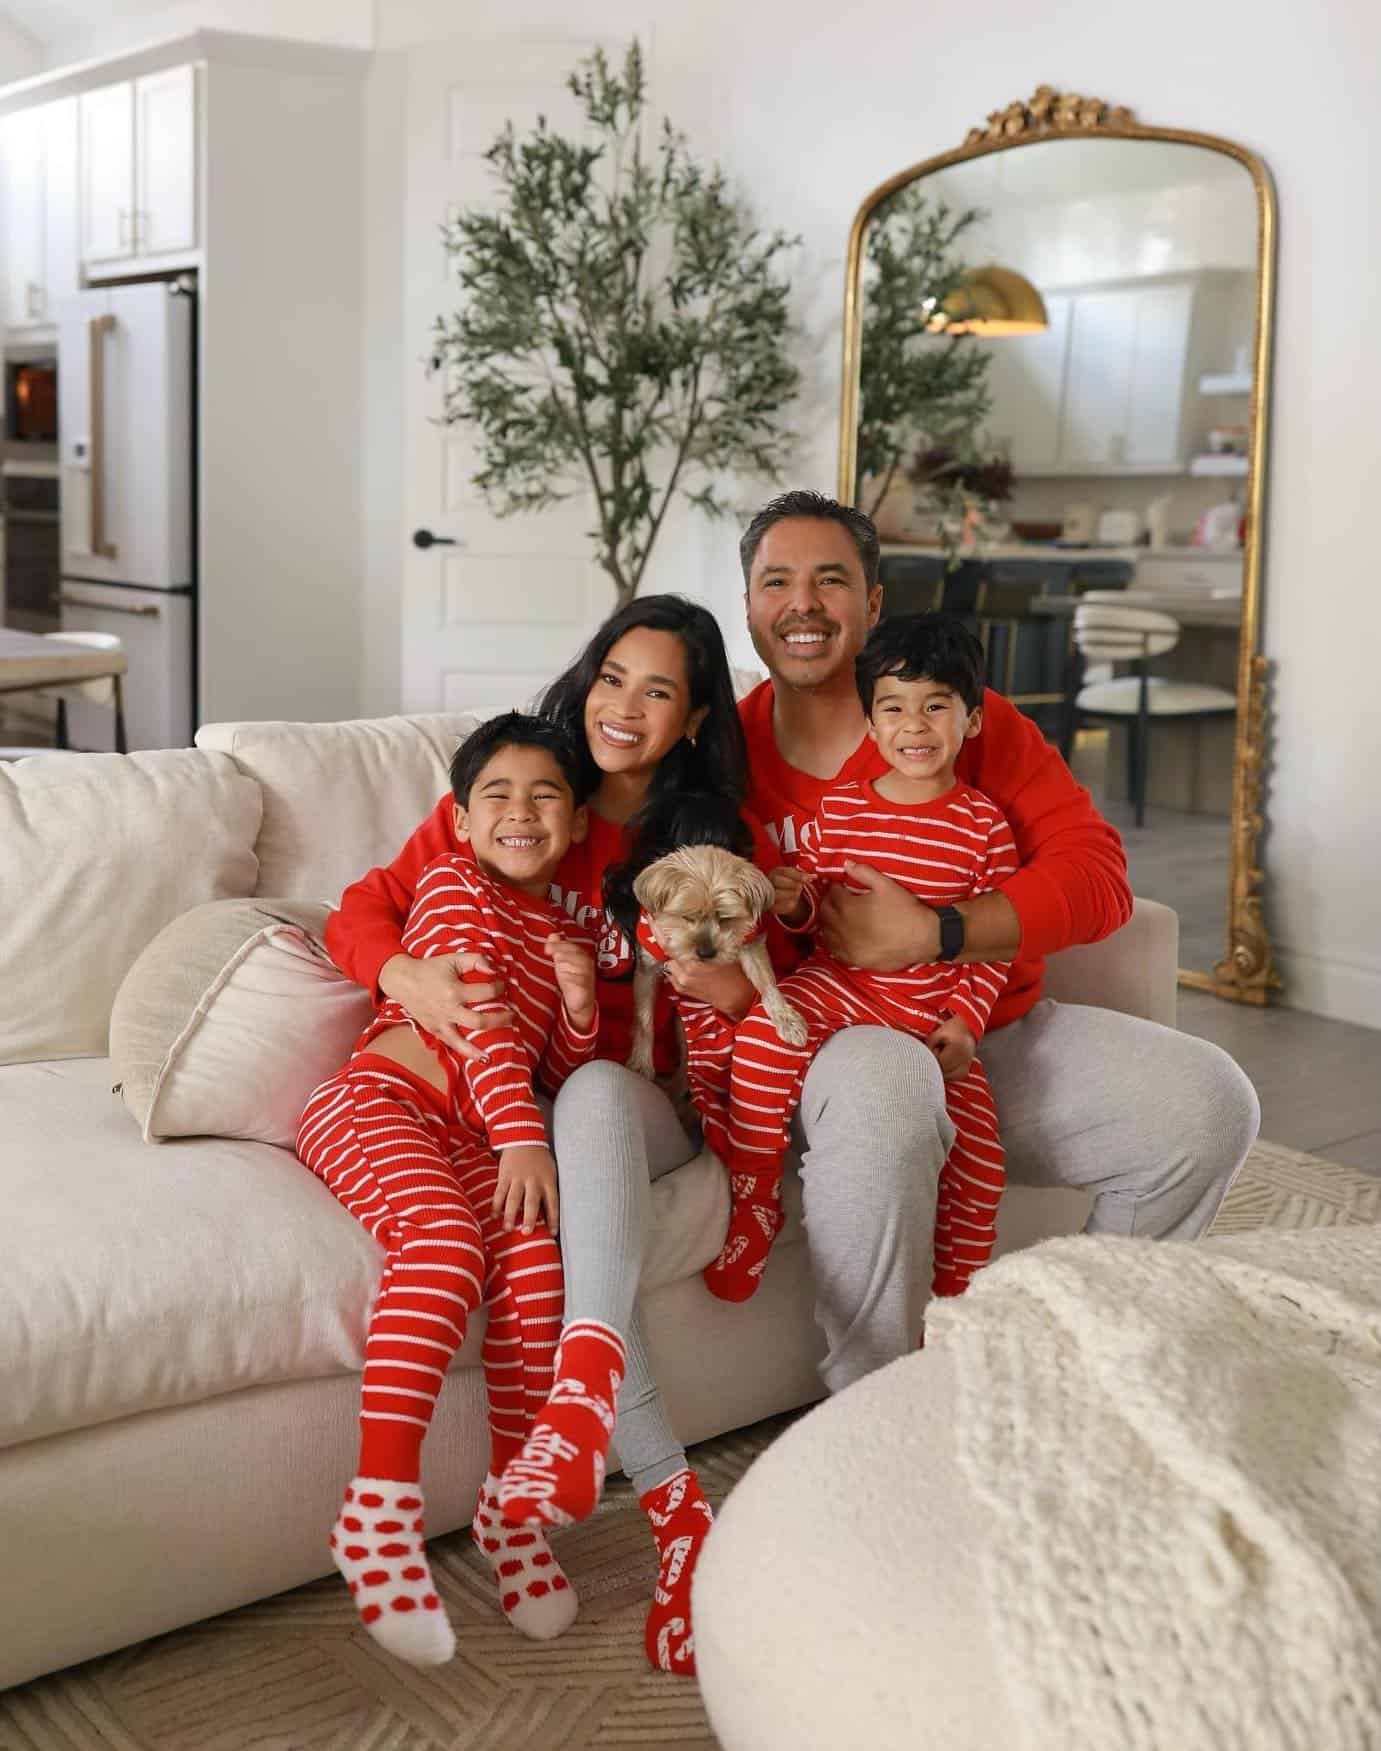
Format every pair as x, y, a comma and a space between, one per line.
1246, 973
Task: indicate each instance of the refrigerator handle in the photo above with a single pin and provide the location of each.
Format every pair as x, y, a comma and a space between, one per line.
97, 328
145, 610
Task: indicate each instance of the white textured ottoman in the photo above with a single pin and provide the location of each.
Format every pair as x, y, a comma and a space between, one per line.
1164, 1530
837, 1602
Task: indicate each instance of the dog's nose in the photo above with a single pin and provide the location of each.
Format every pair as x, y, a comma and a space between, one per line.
704, 953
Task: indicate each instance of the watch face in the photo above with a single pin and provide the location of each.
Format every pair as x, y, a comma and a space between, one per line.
951, 933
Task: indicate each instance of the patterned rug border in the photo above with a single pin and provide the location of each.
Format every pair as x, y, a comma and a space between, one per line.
295, 1672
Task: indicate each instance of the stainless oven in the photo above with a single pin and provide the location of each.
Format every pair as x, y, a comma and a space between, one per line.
33, 545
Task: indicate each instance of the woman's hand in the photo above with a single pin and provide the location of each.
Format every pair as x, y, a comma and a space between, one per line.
575, 977
439, 998
526, 1188
722, 984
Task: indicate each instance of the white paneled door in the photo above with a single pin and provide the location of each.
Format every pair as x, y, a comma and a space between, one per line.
493, 607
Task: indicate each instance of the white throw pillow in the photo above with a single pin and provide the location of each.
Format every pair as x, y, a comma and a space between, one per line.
228, 1021
339, 798
97, 853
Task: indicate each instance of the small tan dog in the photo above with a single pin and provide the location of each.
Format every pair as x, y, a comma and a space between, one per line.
704, 904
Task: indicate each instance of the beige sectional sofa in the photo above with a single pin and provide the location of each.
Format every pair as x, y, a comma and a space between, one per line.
181, 1322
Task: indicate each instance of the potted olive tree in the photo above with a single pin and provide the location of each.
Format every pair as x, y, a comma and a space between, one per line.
624, 325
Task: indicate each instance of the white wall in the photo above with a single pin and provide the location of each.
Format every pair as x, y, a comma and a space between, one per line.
111, 31
20, 55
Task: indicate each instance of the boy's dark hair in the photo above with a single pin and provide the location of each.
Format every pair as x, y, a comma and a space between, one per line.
516, 729
921, 647
803, 503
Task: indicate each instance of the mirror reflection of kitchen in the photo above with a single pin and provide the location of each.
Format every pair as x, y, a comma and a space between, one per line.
1090, 322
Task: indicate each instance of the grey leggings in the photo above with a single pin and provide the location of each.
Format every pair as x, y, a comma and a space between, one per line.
1153, 1122
871, 1133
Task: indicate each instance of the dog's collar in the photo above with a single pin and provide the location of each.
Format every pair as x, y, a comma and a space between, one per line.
647, 940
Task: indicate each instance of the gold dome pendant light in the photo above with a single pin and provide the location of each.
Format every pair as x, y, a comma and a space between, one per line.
992, 300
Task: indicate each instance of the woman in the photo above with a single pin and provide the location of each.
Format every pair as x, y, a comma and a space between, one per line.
652, 701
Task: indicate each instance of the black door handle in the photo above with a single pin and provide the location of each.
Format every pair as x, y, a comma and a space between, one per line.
424, 538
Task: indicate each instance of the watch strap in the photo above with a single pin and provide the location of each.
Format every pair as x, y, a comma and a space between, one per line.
951, 932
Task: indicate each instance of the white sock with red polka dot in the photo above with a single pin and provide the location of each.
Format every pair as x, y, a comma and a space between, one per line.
536, 1597
377, 1545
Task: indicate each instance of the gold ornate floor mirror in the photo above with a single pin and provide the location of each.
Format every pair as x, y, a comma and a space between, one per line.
1118, 280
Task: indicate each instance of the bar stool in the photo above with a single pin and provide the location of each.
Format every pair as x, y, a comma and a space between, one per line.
1108, 631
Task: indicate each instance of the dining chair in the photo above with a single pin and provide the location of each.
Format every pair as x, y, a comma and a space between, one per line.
1107, 631
104, 690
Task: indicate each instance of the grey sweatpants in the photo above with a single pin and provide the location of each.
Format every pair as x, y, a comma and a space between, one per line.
1153, 1122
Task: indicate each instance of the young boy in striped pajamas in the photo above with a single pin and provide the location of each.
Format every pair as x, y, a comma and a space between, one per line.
445, 1161
920, 680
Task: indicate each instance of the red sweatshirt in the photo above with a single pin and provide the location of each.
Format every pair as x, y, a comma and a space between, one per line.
1072, 884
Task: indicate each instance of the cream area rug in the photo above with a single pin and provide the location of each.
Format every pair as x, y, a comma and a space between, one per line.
295, 1673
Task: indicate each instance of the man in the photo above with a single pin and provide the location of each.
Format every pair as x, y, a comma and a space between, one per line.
1152, 1122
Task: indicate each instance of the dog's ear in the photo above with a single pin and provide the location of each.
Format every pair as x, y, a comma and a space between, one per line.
653, 887
756, 889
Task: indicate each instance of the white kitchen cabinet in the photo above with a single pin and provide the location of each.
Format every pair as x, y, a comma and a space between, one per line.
37, 203
138, 169
165, 184
1113, 387
107, 173
1026, 380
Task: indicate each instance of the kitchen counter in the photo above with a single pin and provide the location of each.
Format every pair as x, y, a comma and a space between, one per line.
1047, 550
1189, 609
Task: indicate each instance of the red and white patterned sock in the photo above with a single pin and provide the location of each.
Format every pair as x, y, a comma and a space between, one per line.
377, 1545
535, 1595
680, 1518
557, 1478
755, 1221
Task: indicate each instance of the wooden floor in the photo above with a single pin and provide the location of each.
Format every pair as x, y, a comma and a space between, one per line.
1319, 1081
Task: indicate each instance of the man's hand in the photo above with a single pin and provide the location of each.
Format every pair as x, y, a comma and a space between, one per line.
526, 1188
792, 895
575, 976
885, 928
439, 998
954, 1046
723, 984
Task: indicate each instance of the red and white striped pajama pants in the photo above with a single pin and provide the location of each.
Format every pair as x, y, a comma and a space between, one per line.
384, 1143
765, 1089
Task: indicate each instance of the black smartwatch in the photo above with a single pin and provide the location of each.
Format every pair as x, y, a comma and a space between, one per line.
951, 932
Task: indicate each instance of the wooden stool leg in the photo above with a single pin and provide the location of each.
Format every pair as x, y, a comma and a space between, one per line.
60, 729
121, 744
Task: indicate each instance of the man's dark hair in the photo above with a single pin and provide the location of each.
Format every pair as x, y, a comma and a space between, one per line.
921, 647
803, 503
516, 729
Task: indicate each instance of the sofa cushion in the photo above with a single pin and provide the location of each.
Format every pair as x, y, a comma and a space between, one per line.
339, 798
97, 853
134, 1278
229, 1019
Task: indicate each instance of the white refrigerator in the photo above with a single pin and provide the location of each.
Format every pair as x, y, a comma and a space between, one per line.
125, 437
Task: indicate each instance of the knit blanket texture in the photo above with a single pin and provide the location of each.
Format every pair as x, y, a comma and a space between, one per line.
1179, 1448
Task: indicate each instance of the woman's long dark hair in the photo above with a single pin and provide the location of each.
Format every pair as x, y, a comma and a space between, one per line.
695, 792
